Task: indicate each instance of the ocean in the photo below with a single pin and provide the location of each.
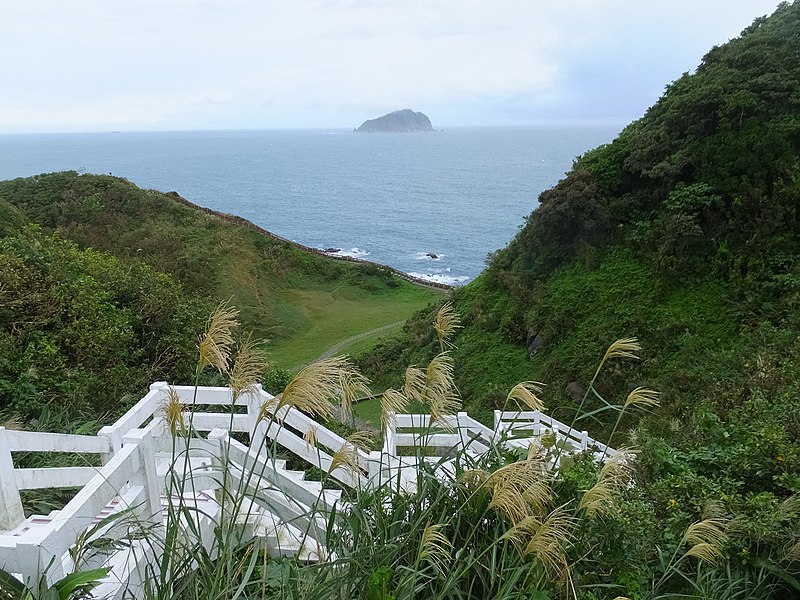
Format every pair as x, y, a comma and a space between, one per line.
431, 204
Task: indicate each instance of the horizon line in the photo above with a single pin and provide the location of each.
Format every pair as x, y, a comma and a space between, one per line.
436, 129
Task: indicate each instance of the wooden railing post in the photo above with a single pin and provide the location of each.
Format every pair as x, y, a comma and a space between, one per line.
147, 457
220, 461
158, 413
11, 513
389, 445
375, 468
257, 428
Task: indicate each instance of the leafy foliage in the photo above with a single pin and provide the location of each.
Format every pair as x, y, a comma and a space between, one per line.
684, 233
84, 329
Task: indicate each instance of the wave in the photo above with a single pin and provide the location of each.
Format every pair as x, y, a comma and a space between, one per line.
441, 278
428, 256
352, 252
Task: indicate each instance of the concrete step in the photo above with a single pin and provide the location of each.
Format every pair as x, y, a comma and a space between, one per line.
280, 463
296, 474
287, 540
31, 523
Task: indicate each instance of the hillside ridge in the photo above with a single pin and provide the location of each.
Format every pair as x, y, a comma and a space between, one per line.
241, 221
681, 236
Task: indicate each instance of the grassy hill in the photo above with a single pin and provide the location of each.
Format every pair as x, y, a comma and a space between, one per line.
683, 232
154, 265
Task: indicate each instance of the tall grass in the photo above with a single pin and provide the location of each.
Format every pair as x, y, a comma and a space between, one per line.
502, 525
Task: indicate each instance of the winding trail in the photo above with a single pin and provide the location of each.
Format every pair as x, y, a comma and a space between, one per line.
354, 338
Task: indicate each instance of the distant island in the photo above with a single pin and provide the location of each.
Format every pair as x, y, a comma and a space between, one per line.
398, 121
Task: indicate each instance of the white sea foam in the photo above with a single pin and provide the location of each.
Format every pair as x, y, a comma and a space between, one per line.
428, 256
441, 278
352, 252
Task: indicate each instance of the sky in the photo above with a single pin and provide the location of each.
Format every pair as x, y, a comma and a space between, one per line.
134, 65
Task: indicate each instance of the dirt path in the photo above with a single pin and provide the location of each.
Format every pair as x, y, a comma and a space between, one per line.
354, 338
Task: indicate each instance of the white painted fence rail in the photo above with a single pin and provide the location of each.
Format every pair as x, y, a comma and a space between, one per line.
135, 467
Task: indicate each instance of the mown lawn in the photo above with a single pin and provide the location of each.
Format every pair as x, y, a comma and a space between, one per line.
315, 316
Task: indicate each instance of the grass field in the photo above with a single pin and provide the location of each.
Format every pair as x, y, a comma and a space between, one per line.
300, 302
369, 410
369, 342
315, 316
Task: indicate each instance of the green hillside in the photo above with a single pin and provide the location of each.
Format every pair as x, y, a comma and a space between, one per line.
683, 232
104, 288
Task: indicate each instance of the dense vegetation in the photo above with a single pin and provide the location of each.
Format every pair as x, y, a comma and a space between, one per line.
684, 233
104, 288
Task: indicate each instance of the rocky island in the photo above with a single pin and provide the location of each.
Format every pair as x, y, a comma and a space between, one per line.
400, 121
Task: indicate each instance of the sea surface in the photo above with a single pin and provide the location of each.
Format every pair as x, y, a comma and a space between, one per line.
431, 204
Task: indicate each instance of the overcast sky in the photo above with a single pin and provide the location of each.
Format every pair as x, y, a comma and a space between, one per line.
99, 65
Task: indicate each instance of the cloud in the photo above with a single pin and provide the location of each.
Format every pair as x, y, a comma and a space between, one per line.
247, 63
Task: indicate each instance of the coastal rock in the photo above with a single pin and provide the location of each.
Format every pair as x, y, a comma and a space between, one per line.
401, 121
534, 342
575, 391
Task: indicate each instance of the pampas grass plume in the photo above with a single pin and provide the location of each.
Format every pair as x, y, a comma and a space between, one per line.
623, 348
216, 342
247, 369
445, 324
435, 548
527, 393
173, 413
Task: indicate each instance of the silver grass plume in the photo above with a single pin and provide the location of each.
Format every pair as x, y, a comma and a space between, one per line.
708, 537
347, 455
527, 392
445, 324
215, 343
622, 348
435, 548
440, 389
392, 403
173, 411
614, 476
545, 539
642, 398
520, 489
248, 367
352, 386
313, 389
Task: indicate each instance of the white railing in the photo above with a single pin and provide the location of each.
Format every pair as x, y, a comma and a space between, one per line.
137, 466
526, 425
129, 476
